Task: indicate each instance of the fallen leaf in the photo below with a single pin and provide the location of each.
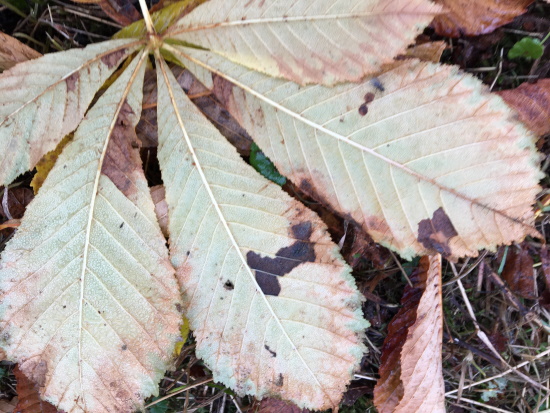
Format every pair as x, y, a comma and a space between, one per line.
102, 308
411, 377
73, 78
260, 264
475, 17
271, 405
8, 406
328, 43
375, 168
427, 52
532, 102
161, 207
29, 398
18, 199
518, 272
12, 51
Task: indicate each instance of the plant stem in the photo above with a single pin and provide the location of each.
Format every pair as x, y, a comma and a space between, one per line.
147, 17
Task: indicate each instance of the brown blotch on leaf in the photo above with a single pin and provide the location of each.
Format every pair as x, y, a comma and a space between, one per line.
267, 269
369, 97
113, 59
435, 233
228, 285
363, 109
280, 380
71, 81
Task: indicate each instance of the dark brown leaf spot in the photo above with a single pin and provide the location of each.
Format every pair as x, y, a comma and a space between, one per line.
286, 259
124, 347
369, 97
113, 59
228, 285
436, 233
71, 81
363, 109
377, 84
280, 380
273, 354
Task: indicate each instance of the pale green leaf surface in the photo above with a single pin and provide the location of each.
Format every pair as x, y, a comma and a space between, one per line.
296, 334
323, 41
45, 99
87, 294
419, 174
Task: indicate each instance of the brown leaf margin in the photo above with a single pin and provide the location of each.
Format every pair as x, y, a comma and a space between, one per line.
411, 377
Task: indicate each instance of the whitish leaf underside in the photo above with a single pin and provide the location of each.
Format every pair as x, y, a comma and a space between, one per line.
395, 154
273, 306
322, 41
45, 99
87, 294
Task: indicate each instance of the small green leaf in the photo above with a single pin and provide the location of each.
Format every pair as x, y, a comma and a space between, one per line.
528, 48
160, 407
263, 165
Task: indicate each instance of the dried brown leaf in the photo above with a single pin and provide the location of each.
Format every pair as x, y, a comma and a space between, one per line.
411, 372
29, 399
8, 406
518, 272
427, 52
12, 51
161, 207
532, 102
473, 17
271, 405
18, 199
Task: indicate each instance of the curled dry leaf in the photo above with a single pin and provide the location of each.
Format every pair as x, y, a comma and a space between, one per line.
328, 43
29, 400
532, 102
12, 51
474, 17
8, 406
411, 377
377, 151
518, 272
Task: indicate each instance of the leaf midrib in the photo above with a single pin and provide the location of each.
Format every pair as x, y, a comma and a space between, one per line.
206, 184
91, 214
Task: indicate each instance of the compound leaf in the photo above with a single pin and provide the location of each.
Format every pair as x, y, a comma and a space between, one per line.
394, 154
261, 280
88, 299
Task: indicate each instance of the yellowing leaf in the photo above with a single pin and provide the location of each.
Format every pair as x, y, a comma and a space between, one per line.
45, 165
411, 378
88, 300
38, 107
261, 280
12, 51
394, 153
304, 41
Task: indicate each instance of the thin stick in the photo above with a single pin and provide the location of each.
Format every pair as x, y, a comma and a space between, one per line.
487, 406
180, 390
477, 383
